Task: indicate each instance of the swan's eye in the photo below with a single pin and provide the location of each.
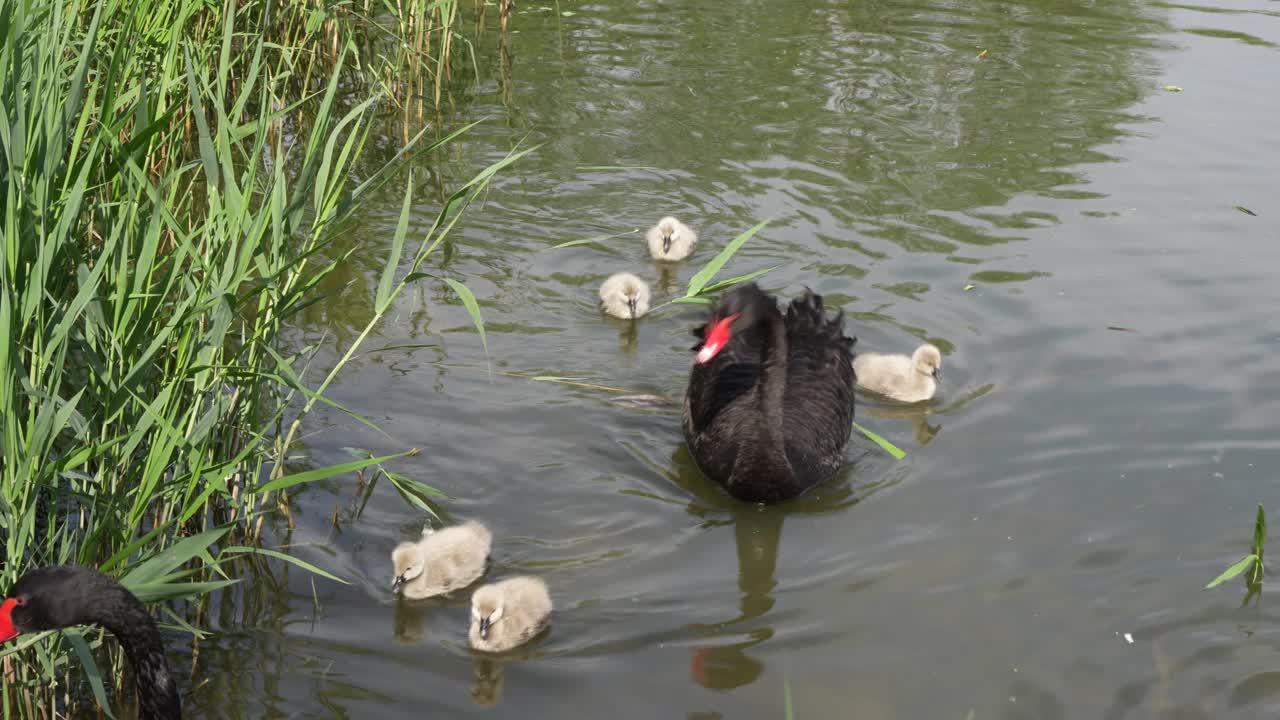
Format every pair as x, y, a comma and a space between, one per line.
20, 601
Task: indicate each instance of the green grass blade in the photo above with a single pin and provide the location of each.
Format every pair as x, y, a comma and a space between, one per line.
160, 565
414, 492
238, 549
90, 666
385, 283
1260, 531
1235, 570
734, 281
884, 444
704, 276
590, 240
324, 473
170, 590
207, 156
473, 308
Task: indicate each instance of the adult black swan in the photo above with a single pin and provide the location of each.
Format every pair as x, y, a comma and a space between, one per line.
770, 401
57, 597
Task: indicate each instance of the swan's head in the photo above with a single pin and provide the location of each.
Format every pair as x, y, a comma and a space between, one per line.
56, 597
408, 562
669, 229
486, 610
744, 306
715, 337
927, 360
625, 296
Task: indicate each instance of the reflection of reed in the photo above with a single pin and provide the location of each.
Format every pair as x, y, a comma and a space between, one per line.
505, 77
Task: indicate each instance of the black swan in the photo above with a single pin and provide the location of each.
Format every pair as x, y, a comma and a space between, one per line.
57, 597
769, 407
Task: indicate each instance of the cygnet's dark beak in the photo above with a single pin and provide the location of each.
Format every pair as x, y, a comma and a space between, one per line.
666, 243
631, 304
396, 583
484, 628
937, 375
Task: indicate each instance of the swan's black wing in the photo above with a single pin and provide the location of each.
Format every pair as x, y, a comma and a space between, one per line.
818, 403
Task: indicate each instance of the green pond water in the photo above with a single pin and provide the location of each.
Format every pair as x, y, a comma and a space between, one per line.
1073, 483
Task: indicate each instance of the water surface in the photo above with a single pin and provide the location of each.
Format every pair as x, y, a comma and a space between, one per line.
1074, 483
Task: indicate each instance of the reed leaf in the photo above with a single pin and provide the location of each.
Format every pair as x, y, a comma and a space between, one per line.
884, 444
1235, 570
473, 309
590, 240
704, 276
324, 473
85, 655
397, 249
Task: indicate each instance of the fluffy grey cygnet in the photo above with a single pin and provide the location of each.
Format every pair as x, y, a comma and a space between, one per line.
625, 296
671, 240
442, 561
908, 379
508, 614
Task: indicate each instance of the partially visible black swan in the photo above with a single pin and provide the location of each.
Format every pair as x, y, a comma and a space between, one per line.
58, 597
770, 401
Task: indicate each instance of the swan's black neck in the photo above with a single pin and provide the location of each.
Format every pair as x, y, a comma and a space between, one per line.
770, 459
133, 627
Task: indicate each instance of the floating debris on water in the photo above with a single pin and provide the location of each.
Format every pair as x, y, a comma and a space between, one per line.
641, 401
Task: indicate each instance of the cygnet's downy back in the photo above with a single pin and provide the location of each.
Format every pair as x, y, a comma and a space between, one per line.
441, 562
671, 240
906, 379
508, 614
625, 296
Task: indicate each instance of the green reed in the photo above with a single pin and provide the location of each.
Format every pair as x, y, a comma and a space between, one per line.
1251, 566
172, 178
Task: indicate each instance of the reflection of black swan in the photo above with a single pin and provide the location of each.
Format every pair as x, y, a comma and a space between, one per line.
60, 597
770, 401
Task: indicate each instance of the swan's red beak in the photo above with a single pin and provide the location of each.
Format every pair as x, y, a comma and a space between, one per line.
717, 337
7, 630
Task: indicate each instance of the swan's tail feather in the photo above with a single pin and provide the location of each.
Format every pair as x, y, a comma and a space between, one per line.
807, 318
